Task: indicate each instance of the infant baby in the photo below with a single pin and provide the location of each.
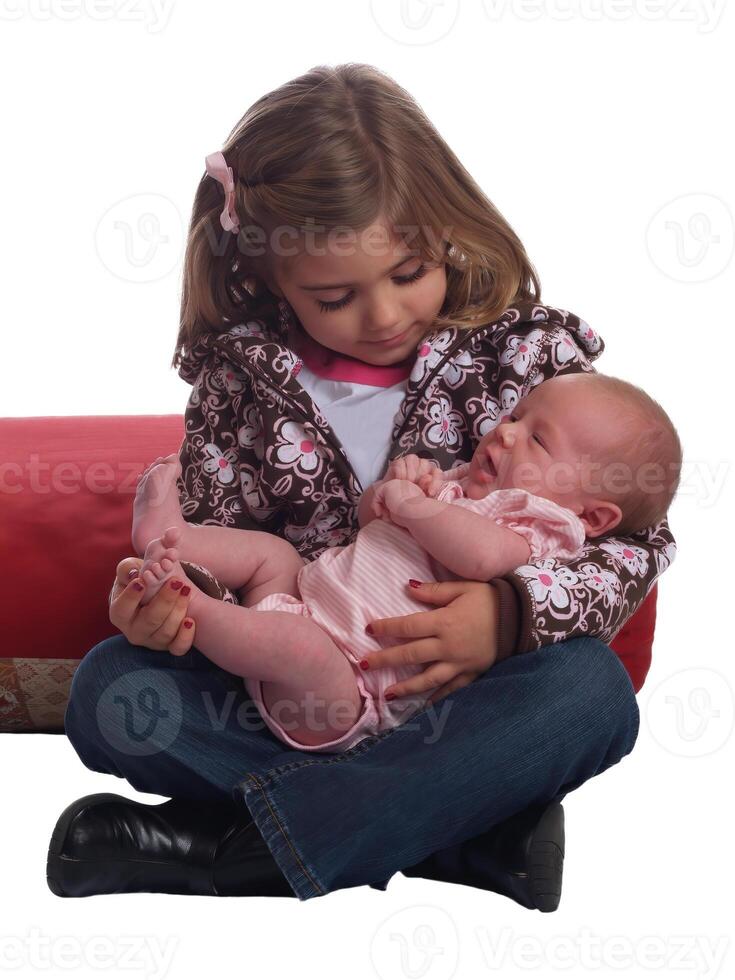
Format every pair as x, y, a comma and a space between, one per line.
581, 456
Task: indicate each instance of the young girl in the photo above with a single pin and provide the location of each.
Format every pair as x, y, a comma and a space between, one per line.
352, 296
522, 496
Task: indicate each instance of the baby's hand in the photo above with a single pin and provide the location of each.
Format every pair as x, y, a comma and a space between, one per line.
411, 467
391, 495
431, 483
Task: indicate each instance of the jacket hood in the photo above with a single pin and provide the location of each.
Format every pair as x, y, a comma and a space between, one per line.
270, 326
274, 329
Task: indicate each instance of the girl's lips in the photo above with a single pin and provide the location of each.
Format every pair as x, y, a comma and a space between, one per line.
392, 341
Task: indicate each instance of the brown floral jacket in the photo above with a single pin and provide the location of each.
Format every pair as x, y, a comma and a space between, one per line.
259, 454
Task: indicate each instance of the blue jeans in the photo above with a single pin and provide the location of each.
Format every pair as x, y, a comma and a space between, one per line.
527, 731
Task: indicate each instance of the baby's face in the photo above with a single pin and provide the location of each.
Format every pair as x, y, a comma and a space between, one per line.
539, 446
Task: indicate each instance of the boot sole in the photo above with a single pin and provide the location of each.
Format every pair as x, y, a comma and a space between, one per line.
546, 859
70, 872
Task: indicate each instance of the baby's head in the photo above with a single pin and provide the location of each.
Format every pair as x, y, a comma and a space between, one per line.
595, 444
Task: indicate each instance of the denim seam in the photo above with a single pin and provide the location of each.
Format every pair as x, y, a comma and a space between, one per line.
256, 782
363, 746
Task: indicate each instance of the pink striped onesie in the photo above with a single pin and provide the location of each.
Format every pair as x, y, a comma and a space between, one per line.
350, 586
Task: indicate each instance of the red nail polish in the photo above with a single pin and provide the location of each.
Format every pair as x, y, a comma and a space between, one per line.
137, 586
390, 697
188, 624
176, 584
369, 630
185, 591
365, 664
413, 583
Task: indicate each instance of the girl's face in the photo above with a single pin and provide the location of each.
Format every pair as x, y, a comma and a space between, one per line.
365, 296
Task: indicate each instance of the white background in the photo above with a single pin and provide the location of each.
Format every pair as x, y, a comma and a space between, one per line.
603, 132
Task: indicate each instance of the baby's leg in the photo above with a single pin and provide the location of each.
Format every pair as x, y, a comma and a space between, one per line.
259, 562
309, 686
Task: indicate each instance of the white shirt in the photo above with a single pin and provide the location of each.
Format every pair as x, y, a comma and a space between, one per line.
362, 417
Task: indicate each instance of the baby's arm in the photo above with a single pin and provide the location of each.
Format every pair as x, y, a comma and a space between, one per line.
412, 468
468, 544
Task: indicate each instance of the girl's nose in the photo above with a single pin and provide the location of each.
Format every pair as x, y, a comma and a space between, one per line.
384, 315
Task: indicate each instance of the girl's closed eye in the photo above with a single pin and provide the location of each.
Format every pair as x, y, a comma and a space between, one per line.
400, 280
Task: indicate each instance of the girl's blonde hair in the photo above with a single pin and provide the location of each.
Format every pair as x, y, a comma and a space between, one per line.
337, 147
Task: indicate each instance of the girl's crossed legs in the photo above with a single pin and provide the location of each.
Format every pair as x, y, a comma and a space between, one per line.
309, 685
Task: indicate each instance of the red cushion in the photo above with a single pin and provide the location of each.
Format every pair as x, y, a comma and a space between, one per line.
69, 485
634, 643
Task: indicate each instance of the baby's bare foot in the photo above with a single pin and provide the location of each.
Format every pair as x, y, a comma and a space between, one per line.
156, 505
161, 564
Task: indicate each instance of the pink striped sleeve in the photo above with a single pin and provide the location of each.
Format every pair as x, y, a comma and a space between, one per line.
552, 531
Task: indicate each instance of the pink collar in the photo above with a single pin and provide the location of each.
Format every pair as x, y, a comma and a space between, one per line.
326, 363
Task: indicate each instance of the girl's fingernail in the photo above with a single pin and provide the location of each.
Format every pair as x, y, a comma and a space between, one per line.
413, 583
137, 586
176, 584
188, 624
365, 665
185, 591
132, 573
369, 630
390, 697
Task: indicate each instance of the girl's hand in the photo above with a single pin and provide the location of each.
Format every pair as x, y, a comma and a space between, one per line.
158, 625
411, 467
458, 642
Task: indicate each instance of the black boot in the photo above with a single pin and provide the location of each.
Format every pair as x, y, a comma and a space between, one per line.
521, 858
104, 844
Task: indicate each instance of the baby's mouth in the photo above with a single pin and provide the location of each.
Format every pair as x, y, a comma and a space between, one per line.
486, 468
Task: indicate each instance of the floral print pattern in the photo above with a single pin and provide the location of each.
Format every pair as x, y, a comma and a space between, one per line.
258, 453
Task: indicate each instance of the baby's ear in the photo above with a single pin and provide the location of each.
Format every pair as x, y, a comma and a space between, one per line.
600, 517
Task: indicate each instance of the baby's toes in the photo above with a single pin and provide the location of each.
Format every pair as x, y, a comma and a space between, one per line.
169, 559
170, 537
148, 577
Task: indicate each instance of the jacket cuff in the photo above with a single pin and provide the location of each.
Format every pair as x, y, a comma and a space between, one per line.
509, 619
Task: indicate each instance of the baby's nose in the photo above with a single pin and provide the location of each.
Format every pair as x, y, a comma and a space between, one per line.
505, 435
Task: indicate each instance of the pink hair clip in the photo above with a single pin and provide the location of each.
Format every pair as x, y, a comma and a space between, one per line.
216, 166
